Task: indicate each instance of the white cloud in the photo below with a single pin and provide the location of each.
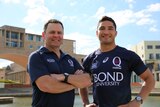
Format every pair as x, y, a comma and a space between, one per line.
153, 29
37, 12
145, 21
34, 3
100, 12
142, 14
128, 16
130, 3
123, 17
85, 44
72, 2
154, 7
68, 18
10, 1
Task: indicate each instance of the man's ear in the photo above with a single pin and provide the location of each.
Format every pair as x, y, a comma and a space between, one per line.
97, 33
116, 33
43, 35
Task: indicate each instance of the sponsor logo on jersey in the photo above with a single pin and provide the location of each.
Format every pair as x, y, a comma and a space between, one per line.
70, 62
108, 79
105, 59
116, 62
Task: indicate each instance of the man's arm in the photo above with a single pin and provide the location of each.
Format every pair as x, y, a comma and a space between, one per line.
79, 79
50, 84
83, 92
148, 78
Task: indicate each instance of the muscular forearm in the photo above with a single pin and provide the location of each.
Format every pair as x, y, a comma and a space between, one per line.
146, 89
77, 80
80, 81
60, 87
144, 92
52, 85
84, 95
148, 78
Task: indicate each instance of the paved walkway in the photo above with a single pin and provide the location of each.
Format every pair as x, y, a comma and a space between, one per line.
12, 92
154, 92
19, 92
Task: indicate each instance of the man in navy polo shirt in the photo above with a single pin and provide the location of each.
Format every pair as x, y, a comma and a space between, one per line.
111, 67
54, 74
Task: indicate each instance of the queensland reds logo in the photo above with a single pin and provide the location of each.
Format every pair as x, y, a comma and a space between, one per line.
117, 62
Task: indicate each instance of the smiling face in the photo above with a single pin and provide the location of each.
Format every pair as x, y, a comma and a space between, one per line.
53, 35
106, 33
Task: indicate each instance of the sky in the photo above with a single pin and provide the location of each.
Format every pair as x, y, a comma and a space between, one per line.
136, 20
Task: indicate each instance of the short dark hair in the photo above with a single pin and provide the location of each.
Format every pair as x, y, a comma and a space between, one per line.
52, 21
106, 18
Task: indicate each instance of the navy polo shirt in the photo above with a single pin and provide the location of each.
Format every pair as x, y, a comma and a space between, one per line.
43, 62
111, 73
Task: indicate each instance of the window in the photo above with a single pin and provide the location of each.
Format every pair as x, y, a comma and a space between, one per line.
21, 44
157, 46
149, 46
158, 76
74, 47
30, 37
151, 56
38, 38
7, 43
30, 46
21, 36
159, 67
7, 34
38, 47
14, 35
2, 32
14, 44
157, 56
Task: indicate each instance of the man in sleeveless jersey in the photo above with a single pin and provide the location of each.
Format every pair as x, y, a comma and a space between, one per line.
111, 67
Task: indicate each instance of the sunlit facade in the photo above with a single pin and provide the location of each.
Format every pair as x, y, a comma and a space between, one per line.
15, 41
149, 52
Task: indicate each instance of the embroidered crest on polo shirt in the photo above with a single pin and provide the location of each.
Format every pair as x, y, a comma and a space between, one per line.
116, 62
70, 62
94, 64
41, 53
50, 60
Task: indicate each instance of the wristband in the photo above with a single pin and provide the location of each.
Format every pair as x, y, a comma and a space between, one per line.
66, 75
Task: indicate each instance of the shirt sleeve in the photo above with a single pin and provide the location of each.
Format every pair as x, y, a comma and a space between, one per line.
36, 67
87, 62
137, 64
77, 65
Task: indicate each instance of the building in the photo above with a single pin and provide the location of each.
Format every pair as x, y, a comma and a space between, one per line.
16, 45
17, 74
2, 74
149, 52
